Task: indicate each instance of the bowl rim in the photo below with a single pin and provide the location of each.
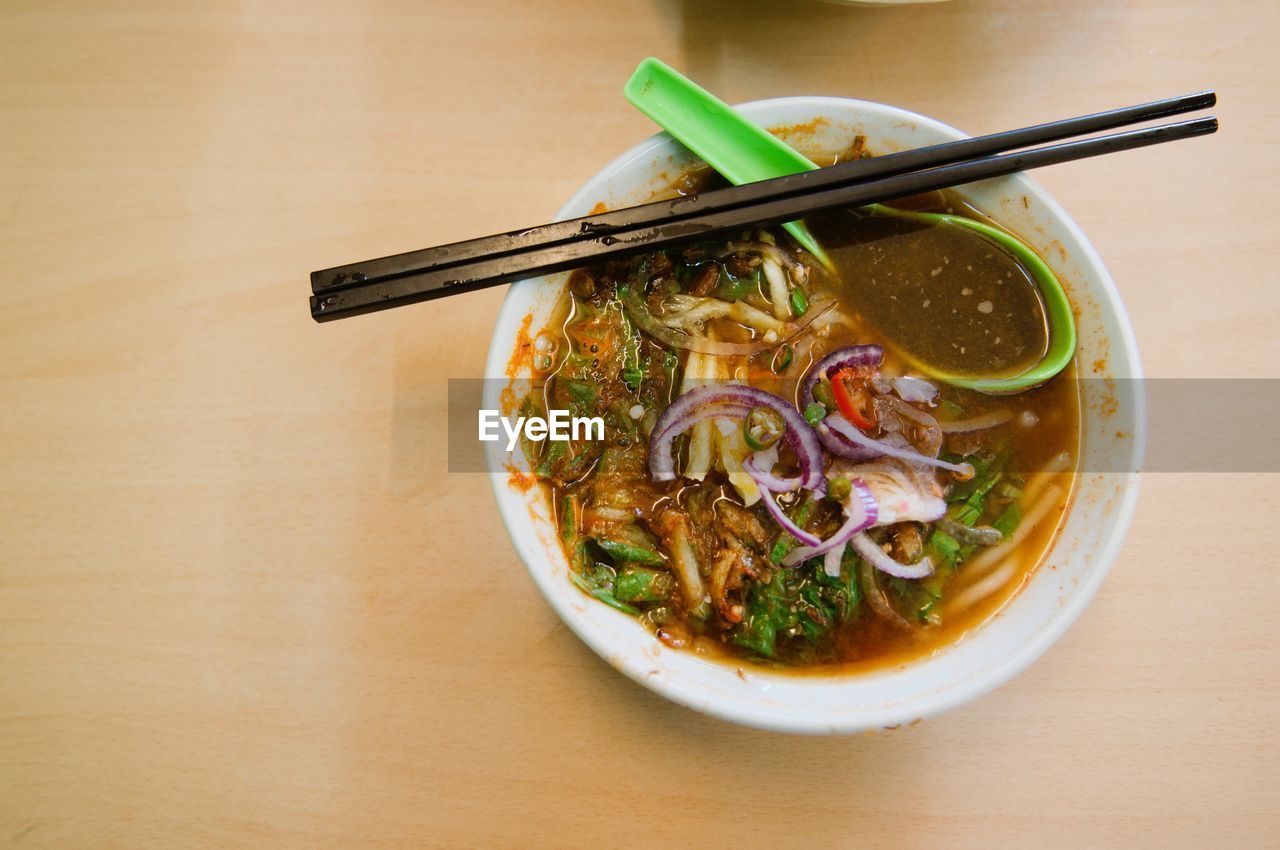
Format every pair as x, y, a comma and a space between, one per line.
892, 714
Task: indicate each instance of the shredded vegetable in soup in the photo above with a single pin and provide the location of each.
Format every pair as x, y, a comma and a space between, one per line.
780, 482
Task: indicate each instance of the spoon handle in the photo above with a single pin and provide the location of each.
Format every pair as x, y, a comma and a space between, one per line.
743, 152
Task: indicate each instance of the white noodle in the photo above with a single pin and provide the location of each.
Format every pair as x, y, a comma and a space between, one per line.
980, 590
698, 369
733, 451
687, 312
1057, 465
745, 314
778, 292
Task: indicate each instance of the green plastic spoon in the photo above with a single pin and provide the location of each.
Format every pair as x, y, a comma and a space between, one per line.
744, 152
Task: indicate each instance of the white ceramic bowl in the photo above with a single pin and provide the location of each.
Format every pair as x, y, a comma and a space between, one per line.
1058, 591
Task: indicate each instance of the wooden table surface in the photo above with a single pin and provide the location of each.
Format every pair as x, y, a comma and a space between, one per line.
243, 604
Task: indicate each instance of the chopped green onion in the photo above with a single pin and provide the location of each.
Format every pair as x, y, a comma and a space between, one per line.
799, 303
732, 288
822, 392
944, 549
1008, 520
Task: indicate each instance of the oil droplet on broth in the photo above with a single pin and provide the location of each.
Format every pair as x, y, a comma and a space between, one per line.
954, 299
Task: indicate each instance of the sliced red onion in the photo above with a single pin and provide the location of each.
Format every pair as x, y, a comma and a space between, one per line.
832, 561
736, 400
840, 447
853, 356
760, 467
867, 548
915, 390
860, 514
977, 423
781, 518
844, 428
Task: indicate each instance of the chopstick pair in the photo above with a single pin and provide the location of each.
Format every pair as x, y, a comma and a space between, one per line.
473, 264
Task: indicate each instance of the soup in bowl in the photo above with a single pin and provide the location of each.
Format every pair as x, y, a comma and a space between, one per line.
786, 519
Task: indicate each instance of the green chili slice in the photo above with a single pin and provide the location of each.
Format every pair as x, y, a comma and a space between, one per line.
763, 427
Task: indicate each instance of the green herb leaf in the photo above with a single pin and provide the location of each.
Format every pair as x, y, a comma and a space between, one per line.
1009, 520
605, 595
628, 553
799, 515
636, 584
732, 288
796, 611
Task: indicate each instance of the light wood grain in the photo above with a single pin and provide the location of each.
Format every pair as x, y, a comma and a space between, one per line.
242, 604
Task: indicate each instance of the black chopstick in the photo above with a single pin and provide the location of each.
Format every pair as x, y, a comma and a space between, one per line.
416, 286
443, 256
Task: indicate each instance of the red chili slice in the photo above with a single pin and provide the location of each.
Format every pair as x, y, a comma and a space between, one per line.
854, 399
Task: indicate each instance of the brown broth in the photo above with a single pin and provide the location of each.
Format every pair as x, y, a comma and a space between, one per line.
892, 294
948, 296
